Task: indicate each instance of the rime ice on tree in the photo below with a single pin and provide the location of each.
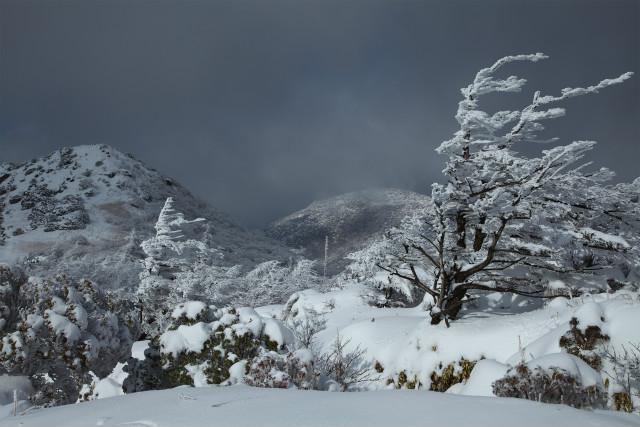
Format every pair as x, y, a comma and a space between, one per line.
506, 222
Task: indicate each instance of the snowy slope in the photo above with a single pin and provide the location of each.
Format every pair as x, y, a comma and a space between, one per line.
349, 220
84, 211
246, 406
401, 340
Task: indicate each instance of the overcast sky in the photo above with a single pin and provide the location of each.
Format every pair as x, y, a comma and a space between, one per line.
261, 107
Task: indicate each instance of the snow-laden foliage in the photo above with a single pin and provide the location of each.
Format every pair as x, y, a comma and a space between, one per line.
348, 368
556, 378
180, 266
205, 345
583, 343
272, 283
295, 369
391, 290
508, 222
624, 372
56, 332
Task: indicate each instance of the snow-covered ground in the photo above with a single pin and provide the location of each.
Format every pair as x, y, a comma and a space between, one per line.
241, 405
400, 340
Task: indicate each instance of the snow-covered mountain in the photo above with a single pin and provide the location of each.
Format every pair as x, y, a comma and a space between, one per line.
84, 211
349, 220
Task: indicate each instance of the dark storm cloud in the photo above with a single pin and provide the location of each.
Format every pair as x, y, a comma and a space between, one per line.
262, 107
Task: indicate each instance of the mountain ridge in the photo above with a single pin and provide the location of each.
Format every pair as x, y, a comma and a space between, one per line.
350, 221
93, 205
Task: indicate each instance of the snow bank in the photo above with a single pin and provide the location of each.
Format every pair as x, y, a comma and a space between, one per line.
482, 377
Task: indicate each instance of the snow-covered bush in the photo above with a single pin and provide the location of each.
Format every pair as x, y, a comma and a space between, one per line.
583, 343
442, 378
346, 367
453, 373
209, 348
11, 279
146, 374
59, 332
202, 344
555, 378
624, 389
305, 327
273, 370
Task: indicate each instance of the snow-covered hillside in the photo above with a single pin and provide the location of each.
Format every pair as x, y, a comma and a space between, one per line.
85, 210
351, 221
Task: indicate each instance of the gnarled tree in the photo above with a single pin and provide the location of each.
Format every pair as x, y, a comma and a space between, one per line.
504, 221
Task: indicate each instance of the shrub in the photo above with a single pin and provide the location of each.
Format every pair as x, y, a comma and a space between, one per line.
441, 378
625, 375
273, 370
583, 343
202, 344
347, 368
57, 332
225, 341
147, 374
454, 373
552, 385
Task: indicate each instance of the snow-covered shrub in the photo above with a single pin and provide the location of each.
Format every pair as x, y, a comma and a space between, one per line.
403, 381
624, 389
11, 279
454, 373
146, 374
202, 343
306, 327
583, 343
389, 291
347, 368
306, 319
63, 331
555, 378
210, 347
292, 370
442, 378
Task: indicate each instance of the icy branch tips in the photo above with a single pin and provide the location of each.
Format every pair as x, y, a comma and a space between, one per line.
507, 222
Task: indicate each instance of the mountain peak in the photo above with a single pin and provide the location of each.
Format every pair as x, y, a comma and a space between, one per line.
348, 220
109, 201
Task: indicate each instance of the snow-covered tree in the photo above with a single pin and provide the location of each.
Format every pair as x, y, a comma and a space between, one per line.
178, 266
387, 290
505, 221
271, 282
56, 332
